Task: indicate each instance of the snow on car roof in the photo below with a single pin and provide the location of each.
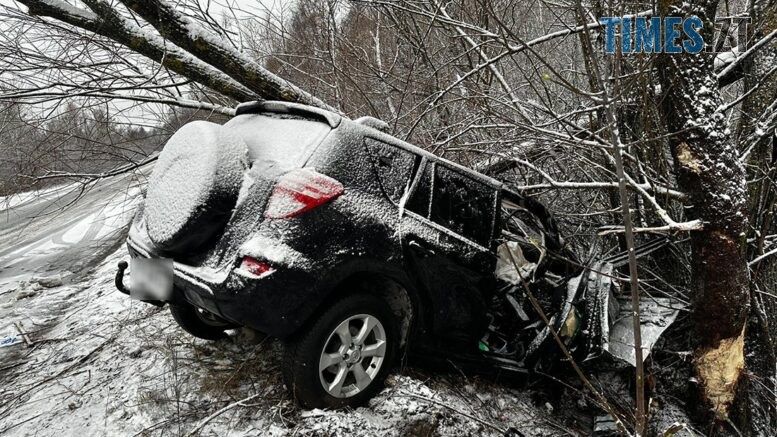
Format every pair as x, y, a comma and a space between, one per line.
334, 120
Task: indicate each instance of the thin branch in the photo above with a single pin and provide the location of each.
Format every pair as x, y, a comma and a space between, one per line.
208, 419
692, 225
728, 74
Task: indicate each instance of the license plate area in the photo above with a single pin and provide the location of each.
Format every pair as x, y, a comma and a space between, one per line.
151, 279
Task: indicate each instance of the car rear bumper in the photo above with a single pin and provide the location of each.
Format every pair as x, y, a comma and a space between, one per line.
277, 303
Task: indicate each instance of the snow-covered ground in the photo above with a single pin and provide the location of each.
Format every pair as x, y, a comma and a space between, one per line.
99, 363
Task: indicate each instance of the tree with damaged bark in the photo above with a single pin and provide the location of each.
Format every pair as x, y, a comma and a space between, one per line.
711, 173
711, 169
525, 93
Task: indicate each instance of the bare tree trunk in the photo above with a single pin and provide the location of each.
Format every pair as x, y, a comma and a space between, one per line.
710, 172
757, 143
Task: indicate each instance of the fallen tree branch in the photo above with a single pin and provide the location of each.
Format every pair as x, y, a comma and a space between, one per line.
178, 101
693, 225
113, 26
207, 420
23, 334
598, 396
189, 35
94, 176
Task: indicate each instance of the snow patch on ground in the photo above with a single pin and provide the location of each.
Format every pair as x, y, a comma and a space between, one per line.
104, 364
100, 363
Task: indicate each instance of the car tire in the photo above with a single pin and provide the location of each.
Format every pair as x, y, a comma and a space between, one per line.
199, 323
362, 375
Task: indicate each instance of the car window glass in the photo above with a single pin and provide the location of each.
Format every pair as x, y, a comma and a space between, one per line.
393, 166
463, 205
419, 199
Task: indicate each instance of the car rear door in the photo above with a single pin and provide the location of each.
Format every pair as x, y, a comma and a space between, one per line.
447, 228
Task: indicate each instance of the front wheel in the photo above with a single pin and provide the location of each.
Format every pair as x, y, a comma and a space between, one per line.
343, 357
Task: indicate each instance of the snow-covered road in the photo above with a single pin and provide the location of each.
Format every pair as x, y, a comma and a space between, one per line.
102, 364
65, 229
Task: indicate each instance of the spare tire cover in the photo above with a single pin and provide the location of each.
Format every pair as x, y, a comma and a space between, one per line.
194, 186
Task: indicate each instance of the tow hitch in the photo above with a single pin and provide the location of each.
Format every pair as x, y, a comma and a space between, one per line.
120, 278
119, 281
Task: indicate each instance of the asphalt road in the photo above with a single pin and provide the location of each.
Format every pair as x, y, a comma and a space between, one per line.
65, 230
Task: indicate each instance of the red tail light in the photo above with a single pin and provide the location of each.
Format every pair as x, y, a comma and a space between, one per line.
255, 267
300, 191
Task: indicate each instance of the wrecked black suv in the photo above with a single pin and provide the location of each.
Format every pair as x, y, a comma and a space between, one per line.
354, 247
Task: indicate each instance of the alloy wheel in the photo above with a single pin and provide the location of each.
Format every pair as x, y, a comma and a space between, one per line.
352, 356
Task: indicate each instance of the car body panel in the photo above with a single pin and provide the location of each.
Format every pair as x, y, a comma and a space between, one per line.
452, 281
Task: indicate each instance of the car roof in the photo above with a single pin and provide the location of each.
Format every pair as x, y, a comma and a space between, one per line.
335, 120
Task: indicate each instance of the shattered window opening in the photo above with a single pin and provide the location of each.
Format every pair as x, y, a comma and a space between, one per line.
420, 199
462, 205
393, 167
456, 202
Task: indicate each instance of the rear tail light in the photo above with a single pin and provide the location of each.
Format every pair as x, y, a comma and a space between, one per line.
300, 191
255, 266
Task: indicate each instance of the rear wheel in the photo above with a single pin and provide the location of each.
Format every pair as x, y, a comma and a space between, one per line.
198, 322
342, 358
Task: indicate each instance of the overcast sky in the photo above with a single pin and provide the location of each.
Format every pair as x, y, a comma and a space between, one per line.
217, 8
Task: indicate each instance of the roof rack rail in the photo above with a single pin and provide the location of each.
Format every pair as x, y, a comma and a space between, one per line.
374, 123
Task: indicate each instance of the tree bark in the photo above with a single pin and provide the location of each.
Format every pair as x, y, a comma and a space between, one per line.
759, 411
183, 47
190, 36
709, 171
117, 28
